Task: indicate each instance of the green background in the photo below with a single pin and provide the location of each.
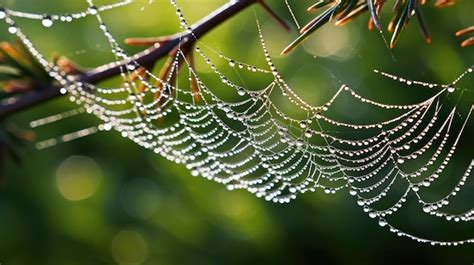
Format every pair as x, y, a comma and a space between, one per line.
146, 210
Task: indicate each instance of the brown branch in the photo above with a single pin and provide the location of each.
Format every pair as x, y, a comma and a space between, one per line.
146, 57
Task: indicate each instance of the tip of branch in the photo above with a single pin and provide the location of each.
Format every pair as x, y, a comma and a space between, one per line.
464, 31
68, 66
318, 5
286, 50
468, 42
444, 3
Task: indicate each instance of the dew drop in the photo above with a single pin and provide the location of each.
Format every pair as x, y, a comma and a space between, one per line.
303, 124
103, 27
130, 67
13, 29
3, 14
107, 127
427, 208
382, 222
47, 21
93, 10
451, 89
241, 92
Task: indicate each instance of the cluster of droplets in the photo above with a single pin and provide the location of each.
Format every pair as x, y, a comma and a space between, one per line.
251, 143
49, 20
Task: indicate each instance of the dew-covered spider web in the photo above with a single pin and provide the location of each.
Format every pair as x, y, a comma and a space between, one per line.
247, 139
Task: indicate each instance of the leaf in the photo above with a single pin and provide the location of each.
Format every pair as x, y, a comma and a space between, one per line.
318, 5
17, 86
373, 13
309, 29
422, 24
8, 72
402, 21
359, 9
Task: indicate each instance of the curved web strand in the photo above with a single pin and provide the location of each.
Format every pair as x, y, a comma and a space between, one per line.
246, 140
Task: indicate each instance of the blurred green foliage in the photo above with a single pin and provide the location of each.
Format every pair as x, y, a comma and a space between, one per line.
104, 200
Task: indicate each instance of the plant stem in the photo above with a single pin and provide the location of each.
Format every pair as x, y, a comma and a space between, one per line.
146, 57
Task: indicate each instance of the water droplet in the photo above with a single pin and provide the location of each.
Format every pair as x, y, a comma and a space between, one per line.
231, 63
47, 21
427, 208
303, 124
13, 29
130, 67
3, 14
382, 222
241, 92
451, 89
107, 127
93, 10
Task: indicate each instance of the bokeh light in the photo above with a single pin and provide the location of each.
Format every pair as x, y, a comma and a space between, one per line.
129, 248
336, 42
140, 198
78, 178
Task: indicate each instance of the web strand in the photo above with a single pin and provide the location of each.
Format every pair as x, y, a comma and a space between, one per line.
252, 143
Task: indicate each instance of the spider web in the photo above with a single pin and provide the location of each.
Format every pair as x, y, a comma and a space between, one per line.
251, 142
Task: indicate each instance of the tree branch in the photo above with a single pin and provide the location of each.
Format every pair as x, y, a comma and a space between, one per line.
149, 56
